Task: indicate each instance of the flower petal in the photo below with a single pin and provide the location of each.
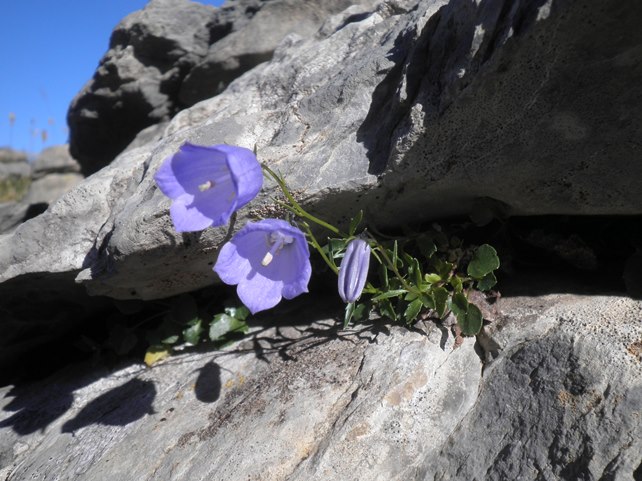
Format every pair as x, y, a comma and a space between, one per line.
187, 218
261, 286
191, 167
259, 293
240, 257
246, 172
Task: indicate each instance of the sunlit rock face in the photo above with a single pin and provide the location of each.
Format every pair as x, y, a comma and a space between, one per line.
413, 112
171, 55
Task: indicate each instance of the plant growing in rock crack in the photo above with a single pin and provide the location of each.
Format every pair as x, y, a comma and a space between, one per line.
416, 276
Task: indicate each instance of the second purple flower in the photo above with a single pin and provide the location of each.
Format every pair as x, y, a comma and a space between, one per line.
268, 260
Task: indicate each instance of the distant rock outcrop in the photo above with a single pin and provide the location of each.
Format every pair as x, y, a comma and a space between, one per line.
26, 190
15, 178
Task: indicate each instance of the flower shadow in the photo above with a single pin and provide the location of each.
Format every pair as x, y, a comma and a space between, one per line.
118, 407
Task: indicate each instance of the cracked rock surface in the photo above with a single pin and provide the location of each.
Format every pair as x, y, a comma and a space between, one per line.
411, 112
561, 400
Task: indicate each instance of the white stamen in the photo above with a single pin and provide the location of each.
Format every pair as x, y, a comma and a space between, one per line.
267, 259
206, 185
276, 240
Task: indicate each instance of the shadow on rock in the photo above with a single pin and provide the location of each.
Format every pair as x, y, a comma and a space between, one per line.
207, 388
120, 406
30, 417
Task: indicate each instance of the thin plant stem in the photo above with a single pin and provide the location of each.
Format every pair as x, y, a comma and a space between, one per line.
300, 211
319, 249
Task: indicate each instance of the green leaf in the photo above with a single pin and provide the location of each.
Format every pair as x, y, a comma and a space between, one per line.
484, 261
443, 268
354, 223
427, 300
471, 321
383, 277
457, 283
440, 294
386, 309
459, 304
395, 254
432, 278
416, 270
239, 313
349, 312
356, 311
361, 311
411, 296
487, 282
336, 247
389, 294
193, 333
170, 340
166, 329
413, 310
223, 324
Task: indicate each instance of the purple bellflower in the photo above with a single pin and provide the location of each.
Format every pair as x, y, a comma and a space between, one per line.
207, 184
353, 271
268, 260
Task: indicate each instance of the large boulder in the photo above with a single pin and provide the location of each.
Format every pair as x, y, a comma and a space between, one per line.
387, 110
558, 395
252, 40
173, 54
138, 79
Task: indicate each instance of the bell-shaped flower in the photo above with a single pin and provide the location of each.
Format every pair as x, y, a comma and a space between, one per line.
207, 184
353, 271
268, 260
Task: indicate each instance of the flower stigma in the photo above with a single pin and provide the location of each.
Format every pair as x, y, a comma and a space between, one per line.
277, 241
205, 186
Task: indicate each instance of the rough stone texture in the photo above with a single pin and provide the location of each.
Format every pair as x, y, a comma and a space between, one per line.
138, 79
386, 111
561, 399
252, 40
55, 172
318, 113
173, 54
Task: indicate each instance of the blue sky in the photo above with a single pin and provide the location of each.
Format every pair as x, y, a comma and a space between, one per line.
48, 51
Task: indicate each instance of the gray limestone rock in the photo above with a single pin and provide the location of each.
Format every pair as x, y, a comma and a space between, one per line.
252, 40
383, 112
301, 401
55, 172
15, 179
137, 82
172, 54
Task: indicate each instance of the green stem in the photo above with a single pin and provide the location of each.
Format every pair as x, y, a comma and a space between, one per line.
300, 211
392, 267
319, 249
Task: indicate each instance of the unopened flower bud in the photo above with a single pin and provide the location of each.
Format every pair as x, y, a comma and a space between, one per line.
353, 271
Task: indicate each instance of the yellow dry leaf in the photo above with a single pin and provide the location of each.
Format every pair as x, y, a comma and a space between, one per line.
154, 356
